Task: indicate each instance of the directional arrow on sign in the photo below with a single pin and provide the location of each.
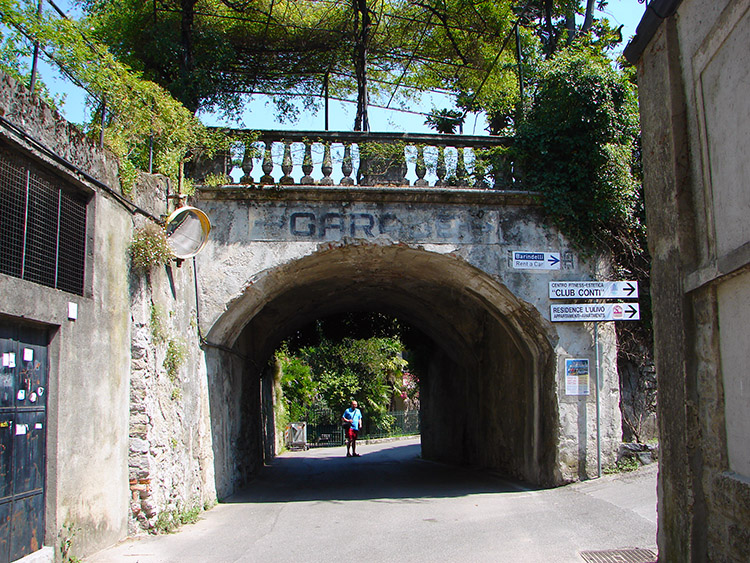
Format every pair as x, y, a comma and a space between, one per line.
593, 289
577, 312
535, 260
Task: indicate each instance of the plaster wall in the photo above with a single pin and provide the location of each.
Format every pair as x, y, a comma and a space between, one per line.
695, 115
259, 234
87, 441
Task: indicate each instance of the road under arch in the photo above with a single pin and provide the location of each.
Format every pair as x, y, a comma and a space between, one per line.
488, 398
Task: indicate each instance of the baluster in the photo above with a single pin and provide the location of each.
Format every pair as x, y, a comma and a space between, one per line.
462, 176
327, 166
287, 165
420, 169
267, 165
307, 166
247, 165
346, 166
440, 169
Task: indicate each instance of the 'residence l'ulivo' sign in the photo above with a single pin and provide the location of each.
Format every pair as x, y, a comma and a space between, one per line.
397, 222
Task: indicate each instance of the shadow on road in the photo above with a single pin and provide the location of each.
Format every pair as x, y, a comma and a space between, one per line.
390, 472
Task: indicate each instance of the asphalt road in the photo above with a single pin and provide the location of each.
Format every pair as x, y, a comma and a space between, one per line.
391, 505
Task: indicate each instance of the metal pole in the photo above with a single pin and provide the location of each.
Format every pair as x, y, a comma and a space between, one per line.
325, 87
520, 68
101, 130
598, 419
35, 58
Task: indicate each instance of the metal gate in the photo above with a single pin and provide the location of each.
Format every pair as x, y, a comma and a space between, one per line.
23, 427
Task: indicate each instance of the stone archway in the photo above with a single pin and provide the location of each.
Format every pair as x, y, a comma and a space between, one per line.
489, 398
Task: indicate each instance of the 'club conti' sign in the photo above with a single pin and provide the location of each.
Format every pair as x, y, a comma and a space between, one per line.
593, 290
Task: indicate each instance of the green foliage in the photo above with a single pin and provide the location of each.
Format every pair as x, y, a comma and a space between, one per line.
136, 109
15, 51
298, 387
364, 369
382, 155
65, 537
576, 146
216, 180
446, 121
149, 248
624, 465
169, 521
189, 47
174, 358
158, 331
128, 176
335, 372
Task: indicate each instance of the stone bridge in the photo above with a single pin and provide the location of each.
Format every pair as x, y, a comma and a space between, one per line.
307, 229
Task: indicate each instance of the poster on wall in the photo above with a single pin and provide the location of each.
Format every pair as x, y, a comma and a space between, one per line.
576, 376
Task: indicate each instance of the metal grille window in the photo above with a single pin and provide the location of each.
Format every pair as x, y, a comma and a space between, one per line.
42, 226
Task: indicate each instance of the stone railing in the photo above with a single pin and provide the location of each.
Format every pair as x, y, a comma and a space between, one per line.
315, 158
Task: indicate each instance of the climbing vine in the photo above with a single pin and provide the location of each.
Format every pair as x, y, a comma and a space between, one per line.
138, 114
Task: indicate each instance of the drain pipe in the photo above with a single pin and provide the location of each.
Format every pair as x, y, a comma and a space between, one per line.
598, 406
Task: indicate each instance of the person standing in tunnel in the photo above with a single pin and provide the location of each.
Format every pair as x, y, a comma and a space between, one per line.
352, 423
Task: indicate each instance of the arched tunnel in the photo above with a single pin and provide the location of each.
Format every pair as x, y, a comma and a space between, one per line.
488, 398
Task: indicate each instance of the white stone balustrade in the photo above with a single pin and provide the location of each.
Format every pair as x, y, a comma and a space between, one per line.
306, 158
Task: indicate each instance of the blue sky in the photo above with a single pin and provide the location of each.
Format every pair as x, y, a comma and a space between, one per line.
259, 113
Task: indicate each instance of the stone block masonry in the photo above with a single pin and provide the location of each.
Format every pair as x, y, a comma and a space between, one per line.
170, 458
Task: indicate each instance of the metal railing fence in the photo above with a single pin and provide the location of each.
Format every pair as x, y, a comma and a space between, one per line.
324, 426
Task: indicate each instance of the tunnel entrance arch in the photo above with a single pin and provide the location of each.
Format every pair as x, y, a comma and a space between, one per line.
488, 399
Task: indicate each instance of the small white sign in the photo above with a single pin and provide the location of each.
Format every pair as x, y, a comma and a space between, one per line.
21, 429
28, 354
11, 360
595, 312
72, 311
593, 289
532, 260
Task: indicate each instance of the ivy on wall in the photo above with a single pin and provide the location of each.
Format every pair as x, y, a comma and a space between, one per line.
577, 146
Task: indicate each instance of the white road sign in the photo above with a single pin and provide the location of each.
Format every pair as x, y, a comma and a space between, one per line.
525, 260
595, 312
593, 289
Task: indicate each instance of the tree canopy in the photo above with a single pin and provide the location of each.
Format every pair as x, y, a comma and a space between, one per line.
211, 53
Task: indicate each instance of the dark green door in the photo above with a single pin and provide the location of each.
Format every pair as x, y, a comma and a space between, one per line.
23, 427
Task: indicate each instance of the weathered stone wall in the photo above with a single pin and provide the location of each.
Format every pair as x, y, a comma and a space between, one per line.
694, 76
87, 442
171, 458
